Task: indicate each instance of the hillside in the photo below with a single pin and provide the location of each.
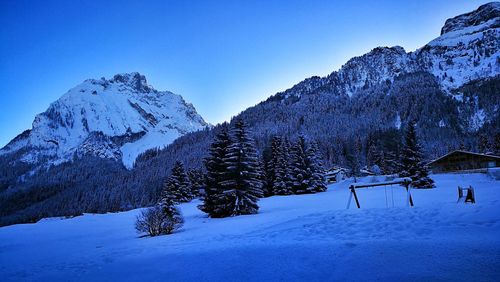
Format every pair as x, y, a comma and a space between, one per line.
293, 238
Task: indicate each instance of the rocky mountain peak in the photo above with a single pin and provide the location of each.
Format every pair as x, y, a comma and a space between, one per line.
485, 13
134, 80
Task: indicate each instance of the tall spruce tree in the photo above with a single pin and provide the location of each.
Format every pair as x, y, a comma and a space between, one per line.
496, 143
391, 163
197, 179
412, 163
168, 217
178, 184
280, 177
243, 184
267, 188
301, 171
287, 158
216, 203
316, 171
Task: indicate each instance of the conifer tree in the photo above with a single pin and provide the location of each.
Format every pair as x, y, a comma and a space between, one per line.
243, 183
316, 172
215, 201
301, 171
197, 180
412, 163
165, 217
287, 158
179, 183
391, 163
281, 183
267, 185
496, 143
484, 144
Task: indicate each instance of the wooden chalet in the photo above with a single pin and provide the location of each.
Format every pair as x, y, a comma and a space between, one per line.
462, 160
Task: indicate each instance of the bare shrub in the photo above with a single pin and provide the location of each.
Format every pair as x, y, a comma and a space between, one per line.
158, 220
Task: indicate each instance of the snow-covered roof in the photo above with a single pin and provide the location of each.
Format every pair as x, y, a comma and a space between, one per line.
336, 170
464, 152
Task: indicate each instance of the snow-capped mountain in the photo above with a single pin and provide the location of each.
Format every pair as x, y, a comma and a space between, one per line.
467, 49
117, 119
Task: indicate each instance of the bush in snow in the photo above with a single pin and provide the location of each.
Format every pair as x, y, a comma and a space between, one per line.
159, 220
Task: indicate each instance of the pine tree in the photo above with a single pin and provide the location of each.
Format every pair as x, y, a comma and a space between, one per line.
412, 164
280, 181
287, 163
268, 173
496, 144
484, 144
301, 171
391, 163
197, 180
372, 156
178, 183
165, 217
217, 203
316, 171
243, 185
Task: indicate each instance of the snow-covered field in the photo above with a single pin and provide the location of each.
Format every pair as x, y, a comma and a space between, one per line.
293, 238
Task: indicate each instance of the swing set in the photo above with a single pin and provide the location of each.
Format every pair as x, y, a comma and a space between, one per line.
404, 182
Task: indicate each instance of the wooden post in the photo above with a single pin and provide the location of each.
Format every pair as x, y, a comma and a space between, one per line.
410, 199
353, 191
349, 201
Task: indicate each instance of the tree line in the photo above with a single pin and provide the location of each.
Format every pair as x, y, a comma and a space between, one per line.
236, 177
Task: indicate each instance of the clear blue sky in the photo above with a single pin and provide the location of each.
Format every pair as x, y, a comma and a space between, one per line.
223, 56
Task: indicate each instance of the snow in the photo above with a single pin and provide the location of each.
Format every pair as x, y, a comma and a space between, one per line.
397, 123
293, 238
477, 120
463, 35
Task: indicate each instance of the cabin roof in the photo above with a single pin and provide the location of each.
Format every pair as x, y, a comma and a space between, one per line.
464, 152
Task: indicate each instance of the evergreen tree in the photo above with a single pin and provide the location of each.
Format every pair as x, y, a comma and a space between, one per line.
216, 202
288, 167
496, 144
484, 144
197, 180
267, 187
317, 177
243, 184
178, 183
412, 164
301, 172
372, 156
165, 217
280, 170
391, 163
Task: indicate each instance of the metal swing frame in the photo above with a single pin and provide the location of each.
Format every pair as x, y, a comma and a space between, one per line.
405, 182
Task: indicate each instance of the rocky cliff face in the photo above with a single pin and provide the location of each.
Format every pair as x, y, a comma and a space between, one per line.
116, 119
